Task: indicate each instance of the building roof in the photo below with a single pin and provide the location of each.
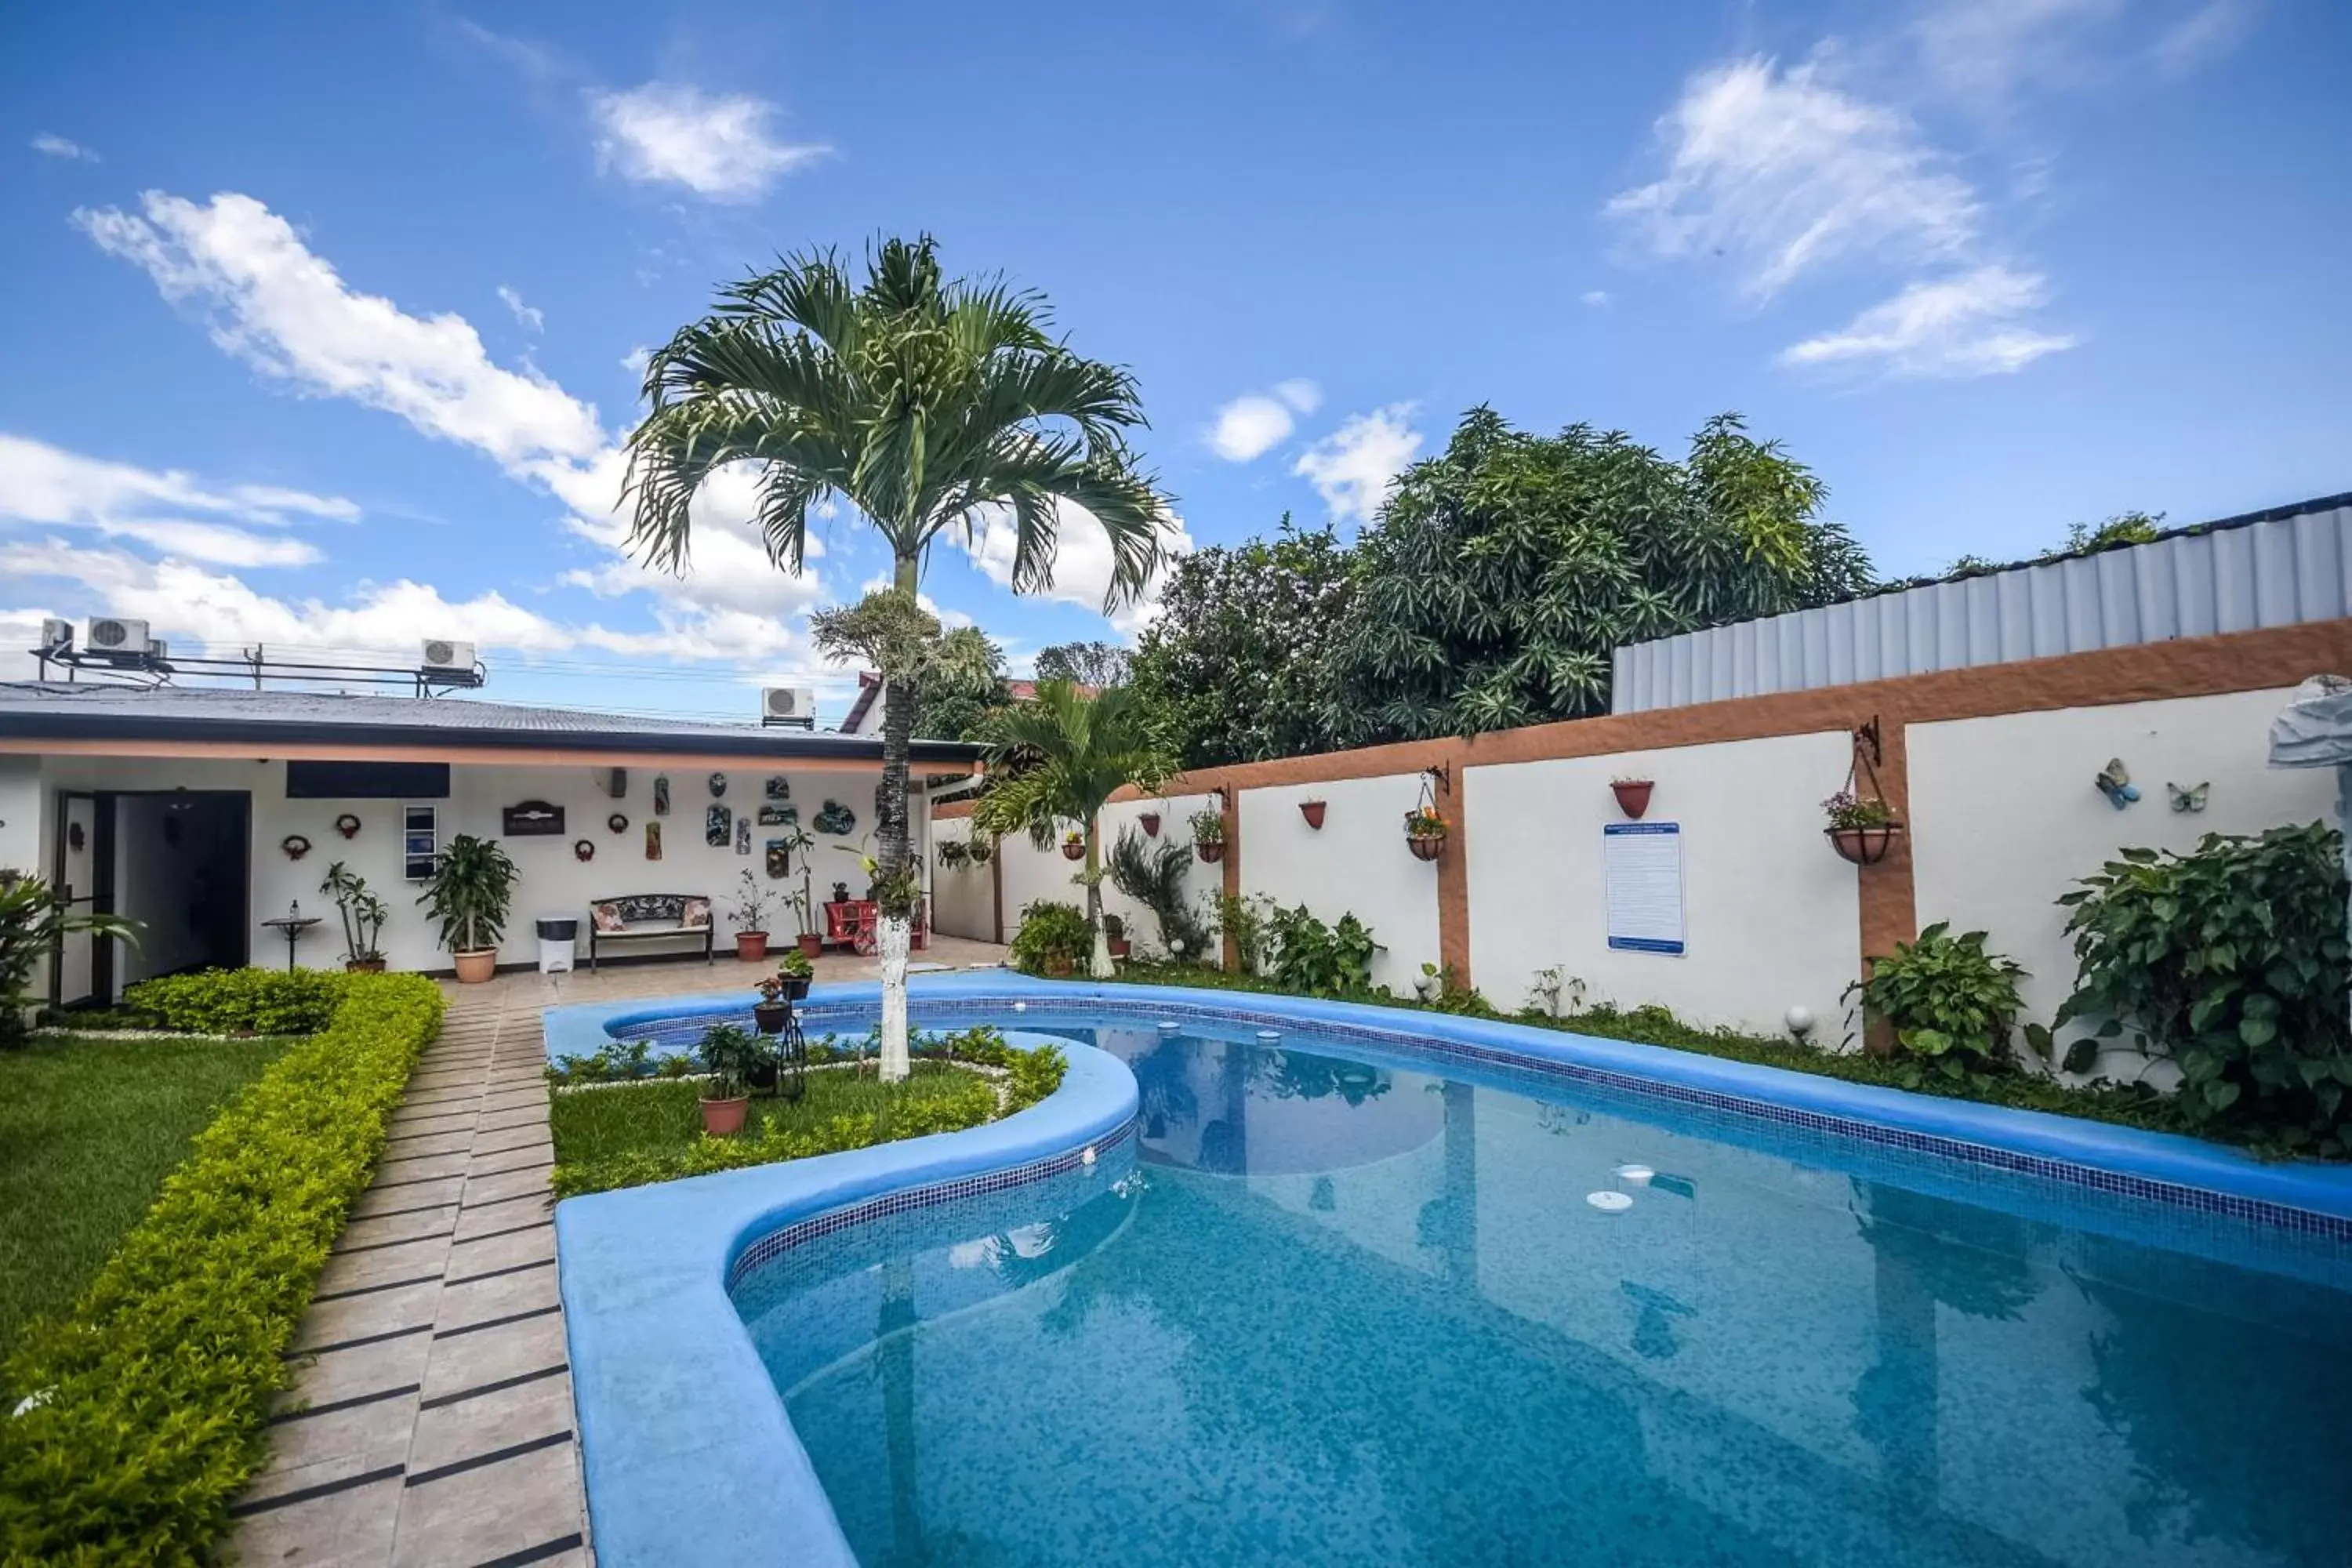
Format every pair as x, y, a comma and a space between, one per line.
78, 710
2274, 568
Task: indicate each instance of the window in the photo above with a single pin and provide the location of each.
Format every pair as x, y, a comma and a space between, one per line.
420, 841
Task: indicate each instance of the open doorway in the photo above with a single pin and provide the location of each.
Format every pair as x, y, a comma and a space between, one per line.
182, 869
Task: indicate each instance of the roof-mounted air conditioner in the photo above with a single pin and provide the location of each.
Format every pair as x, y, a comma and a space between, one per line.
110, 635
446, 653
788, 705
57, 636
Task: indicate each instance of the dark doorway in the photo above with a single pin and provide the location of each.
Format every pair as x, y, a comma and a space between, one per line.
182, 867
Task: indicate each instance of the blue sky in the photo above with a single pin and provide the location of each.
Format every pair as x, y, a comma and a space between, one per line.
320, 317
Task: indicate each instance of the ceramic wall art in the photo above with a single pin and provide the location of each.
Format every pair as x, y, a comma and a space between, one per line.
661, 794
779, 815
652, 840
717, 785
2115, 782
742, 836
836, 819
718, 827
778, 787
780, 858
2189, 799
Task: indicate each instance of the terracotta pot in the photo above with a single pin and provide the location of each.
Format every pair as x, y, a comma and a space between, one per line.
477, 966
750, 946
771, 1017
812, 945
1149, 822
1120, 946
1425, 845
1077, 851
1312, 810
1059, 968
1212, 851
1633, 795
1864, 846
724, 1118
371, 965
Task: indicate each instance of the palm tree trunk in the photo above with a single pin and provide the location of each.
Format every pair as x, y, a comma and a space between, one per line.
893, 924
1101, 968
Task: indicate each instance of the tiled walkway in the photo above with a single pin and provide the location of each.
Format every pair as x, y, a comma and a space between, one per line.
431, 1421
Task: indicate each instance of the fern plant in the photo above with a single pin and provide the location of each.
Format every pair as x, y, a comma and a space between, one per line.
1152, 874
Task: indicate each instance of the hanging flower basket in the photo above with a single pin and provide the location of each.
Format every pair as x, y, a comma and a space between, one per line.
1865, 844
1209, 834
1149, 822
1633, 795
1074, 848
1211, 850
1425, 833
1312, 810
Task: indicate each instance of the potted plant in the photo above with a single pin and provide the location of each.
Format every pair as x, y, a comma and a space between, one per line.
1312, 810
1633, 795
770, 1012
1424, 832
954, 853
751, 920
795, 972
1074, 845
1052, 939
730, 1055
1209, 834
981, 850
469, 892
1115, 934
1861, 828
363, 916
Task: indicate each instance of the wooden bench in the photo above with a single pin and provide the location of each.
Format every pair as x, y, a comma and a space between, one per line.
643, 916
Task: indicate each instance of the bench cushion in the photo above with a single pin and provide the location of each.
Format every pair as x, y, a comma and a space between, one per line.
650, 914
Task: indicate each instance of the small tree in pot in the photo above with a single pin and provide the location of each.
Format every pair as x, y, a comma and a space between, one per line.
730, 1055
751, 920
469, 893
363, 916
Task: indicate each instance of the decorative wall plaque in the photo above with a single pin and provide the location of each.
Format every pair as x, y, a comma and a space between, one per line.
718, 827
532, 819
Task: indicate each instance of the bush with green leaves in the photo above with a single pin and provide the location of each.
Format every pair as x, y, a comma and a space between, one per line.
1244, 919
2232, 961
33, 920
147, 1404
1154, 876
1949, 1003
1320, 959
1050, 933
241, 1001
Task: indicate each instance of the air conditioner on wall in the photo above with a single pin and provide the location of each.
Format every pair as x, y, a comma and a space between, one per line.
789, 704
446, 653
110, 635
56, 635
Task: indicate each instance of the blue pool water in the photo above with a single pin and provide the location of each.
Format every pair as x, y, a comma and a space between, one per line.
1325, 1309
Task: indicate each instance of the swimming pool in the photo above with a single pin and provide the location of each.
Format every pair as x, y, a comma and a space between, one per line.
1344, 1296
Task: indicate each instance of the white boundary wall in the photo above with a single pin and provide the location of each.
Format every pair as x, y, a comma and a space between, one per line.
1357, 863
1031, 874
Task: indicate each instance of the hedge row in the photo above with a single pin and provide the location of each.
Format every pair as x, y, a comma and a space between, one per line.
148, 1401
241, 1001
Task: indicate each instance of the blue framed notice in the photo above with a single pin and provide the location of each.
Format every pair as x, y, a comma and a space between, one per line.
1641, 872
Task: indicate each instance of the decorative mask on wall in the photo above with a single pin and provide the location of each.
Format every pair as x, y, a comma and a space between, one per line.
652, 840
718, 827
661, 794
2115, 782
717, 785
2189, 799
836, 819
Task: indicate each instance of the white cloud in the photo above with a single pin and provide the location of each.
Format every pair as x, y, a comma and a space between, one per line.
1256, 422
282, 309
636, 359
1983, 51
1596, 298
1965, 325
59, 147
46, 486
1785, 173
716, 146
1353, 468
532, 318
1083, 562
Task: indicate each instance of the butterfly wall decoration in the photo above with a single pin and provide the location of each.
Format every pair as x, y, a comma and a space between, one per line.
2115, 782
2189, 799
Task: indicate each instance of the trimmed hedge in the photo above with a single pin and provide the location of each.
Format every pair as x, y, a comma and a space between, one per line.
241, 1001
150, 1398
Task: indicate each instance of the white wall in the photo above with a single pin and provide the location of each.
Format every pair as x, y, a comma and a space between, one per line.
24, 832
963, 898
1772, 916
1030, 874
2005, 817
1356, 863
551, 880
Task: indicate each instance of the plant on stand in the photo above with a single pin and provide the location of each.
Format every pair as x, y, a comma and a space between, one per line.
469, 893
751, 920
33, 920
363, 916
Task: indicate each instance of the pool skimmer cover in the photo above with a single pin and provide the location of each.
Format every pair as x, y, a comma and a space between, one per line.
1609, 1203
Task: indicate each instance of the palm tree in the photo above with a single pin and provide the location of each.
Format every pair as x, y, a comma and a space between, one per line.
1062, 756
925, 403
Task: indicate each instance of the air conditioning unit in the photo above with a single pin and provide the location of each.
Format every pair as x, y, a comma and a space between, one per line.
796, 704
109, 636
57, 636
441, 653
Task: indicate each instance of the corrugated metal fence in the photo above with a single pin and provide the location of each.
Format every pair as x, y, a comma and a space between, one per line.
2272, 570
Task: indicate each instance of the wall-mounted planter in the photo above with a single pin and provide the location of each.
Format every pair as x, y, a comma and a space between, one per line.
1864, 845
1149, 822
1425, 845
1312, 810
1209, 849
1633, 795
1074, 848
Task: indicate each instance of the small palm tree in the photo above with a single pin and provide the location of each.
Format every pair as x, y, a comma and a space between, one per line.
1064, 756
928, 404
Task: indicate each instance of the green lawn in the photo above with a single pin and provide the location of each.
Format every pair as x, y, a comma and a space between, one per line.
659, 1116
88, 1129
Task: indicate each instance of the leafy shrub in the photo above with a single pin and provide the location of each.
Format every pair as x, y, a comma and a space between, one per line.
615, 1063
730, 1053
1245, 922
1318, 959
153, 1394
1153, 875
242, 1001
2232, 961
1050, 931
1948, 1002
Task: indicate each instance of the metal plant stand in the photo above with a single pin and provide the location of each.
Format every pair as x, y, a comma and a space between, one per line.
791, 1057
292, 924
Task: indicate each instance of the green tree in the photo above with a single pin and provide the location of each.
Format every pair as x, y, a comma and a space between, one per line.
1502, 573
2123, 527
1062, 757
970, 685
1094, 664
33, 920
1236, 666
928, 404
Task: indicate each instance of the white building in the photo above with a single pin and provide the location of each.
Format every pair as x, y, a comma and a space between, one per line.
203, 812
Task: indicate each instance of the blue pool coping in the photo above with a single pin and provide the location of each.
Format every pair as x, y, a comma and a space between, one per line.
688, 1451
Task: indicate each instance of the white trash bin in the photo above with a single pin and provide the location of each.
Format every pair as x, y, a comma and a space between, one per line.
556, 935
